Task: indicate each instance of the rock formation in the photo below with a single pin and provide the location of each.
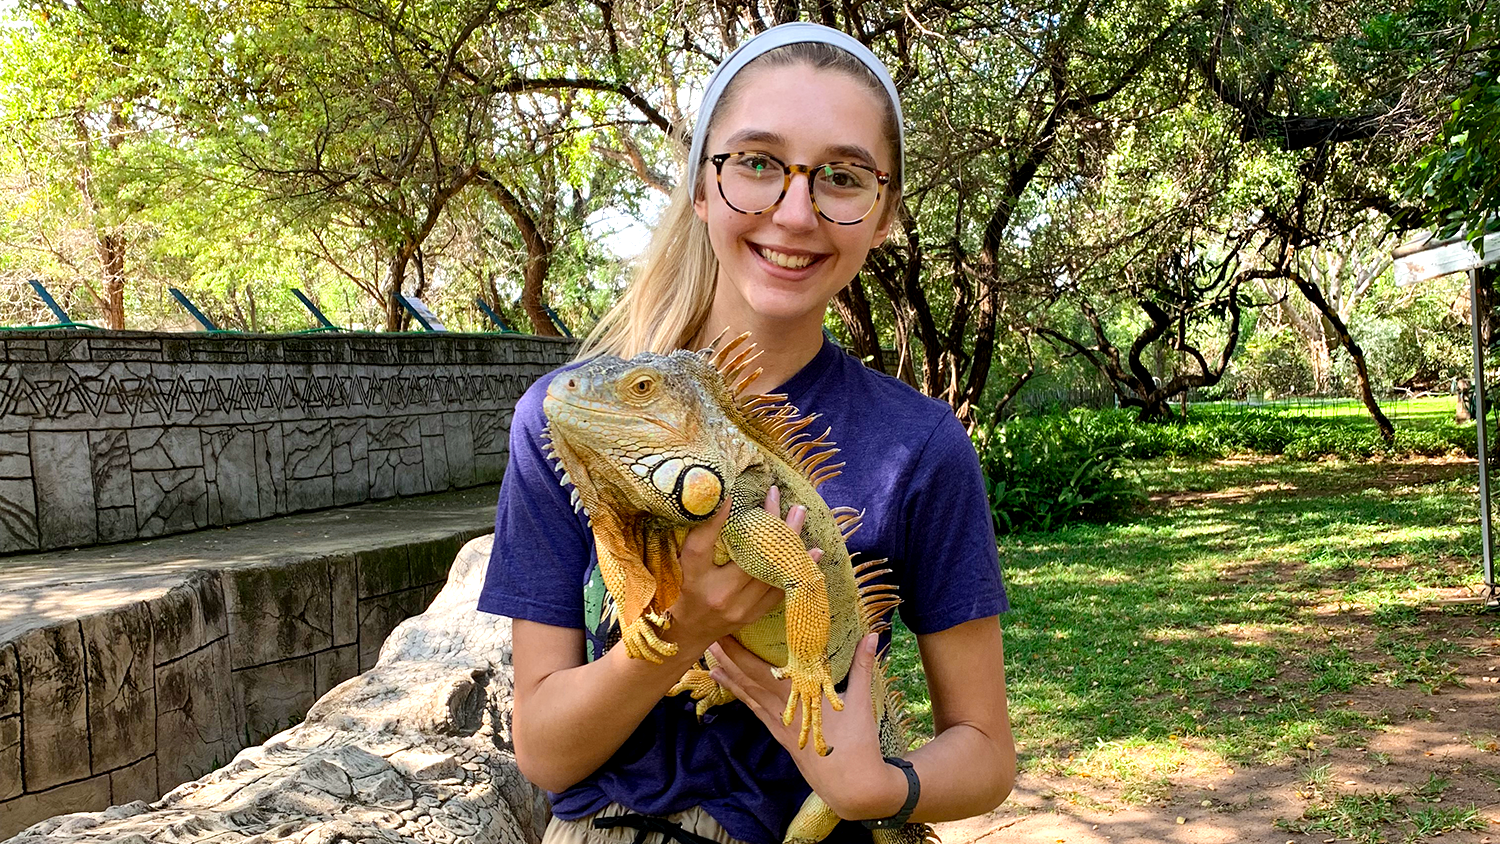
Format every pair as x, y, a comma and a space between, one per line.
417, 750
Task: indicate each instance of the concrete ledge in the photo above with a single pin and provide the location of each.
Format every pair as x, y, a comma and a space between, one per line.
128, 669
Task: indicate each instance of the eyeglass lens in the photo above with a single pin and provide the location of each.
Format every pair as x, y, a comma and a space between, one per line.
753, 183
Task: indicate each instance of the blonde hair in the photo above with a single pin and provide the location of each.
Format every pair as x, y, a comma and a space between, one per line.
668, 301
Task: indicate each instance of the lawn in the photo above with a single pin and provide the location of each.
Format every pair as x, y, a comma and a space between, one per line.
1256, 613
1423, 410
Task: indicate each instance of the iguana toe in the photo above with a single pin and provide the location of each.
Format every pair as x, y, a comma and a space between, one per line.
641, 642
809, 687
703, 688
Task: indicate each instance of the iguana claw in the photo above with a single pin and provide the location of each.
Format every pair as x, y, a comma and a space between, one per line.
703, 688
809, 686
641, 639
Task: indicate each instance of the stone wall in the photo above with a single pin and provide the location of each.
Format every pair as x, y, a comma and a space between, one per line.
110, 436
416, 750
122, 677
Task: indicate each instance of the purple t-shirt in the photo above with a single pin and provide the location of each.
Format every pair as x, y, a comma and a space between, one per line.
910, 467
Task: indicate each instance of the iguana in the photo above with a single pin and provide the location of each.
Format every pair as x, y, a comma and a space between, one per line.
652, 446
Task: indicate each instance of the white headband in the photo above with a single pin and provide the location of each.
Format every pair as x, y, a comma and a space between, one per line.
798, 32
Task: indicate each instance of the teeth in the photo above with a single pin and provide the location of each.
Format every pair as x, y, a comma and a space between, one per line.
781, 259
575, 499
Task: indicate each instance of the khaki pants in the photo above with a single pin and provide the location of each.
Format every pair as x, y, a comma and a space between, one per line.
582, 831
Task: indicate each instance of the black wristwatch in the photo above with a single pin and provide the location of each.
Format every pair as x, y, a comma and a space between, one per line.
913, 791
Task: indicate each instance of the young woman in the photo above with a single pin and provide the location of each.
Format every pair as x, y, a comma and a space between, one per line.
794, 175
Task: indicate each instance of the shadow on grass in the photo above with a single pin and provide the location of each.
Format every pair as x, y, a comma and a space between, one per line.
1224, 626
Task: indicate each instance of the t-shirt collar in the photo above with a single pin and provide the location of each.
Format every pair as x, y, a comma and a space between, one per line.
803, 381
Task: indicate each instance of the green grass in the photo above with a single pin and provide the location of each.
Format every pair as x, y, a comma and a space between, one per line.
1227, 629
1428, 410
1381, 816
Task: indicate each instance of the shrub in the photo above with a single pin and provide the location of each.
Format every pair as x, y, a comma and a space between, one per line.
1044, 472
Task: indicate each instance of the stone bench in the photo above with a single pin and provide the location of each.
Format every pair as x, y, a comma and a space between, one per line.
128, 669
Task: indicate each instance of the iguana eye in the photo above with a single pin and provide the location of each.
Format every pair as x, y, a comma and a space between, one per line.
642, 386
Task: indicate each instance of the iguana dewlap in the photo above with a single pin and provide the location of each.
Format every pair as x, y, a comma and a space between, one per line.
654, 445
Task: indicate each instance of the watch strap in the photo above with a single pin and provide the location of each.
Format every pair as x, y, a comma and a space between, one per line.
913, 792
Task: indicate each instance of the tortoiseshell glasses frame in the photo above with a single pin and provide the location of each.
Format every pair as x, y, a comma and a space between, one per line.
817, 174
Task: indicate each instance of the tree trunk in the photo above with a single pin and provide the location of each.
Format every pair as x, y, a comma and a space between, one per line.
1156, 408
1314, 295
1489, 320
111, 249
538, 255
395, 315
853, 307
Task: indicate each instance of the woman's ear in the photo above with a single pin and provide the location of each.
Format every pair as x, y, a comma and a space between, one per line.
700, 204
887, 218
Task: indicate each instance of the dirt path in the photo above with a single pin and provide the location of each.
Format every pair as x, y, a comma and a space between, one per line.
1450, 735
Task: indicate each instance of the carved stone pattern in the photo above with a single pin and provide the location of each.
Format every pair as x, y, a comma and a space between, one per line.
415, 751
116, 436
248, 397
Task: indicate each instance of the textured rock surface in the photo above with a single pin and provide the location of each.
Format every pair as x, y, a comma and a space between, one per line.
417, 749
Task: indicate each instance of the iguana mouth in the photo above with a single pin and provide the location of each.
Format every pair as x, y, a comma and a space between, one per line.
567, 404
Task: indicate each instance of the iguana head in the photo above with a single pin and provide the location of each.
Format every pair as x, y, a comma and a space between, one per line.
644, 435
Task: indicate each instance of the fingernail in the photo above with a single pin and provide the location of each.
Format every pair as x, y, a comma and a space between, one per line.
870, 643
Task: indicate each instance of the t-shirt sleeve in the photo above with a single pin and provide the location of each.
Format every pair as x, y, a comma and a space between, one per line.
542, 547
952, 571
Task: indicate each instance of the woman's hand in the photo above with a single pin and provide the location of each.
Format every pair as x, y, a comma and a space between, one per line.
853, 779
718, 600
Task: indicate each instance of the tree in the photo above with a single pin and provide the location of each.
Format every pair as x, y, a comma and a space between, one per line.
72, 98
1456, 180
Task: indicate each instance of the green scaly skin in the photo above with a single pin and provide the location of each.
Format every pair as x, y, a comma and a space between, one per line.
653, 445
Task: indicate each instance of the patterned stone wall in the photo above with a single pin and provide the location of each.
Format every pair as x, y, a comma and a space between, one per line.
109, 436
161, 678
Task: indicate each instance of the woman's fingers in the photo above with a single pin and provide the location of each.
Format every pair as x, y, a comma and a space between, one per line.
698, 546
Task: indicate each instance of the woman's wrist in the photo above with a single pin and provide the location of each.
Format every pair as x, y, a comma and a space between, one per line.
882, 797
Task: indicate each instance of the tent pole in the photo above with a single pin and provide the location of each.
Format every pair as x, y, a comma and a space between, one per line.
1481, 431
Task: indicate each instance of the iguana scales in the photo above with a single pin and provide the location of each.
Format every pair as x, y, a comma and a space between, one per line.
652, 446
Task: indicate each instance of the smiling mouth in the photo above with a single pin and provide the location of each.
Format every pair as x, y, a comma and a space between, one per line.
781, 259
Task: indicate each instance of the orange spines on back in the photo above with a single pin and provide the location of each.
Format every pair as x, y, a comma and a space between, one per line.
774, 423
876, 600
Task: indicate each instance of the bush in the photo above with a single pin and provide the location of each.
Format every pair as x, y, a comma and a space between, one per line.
1044, 472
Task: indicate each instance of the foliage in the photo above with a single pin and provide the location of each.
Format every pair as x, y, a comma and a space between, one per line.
1458, 179
1046, 472
1053, 469
1273, 364
1068, 171
1212, 432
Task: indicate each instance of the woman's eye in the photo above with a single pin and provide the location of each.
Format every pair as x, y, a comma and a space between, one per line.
755, 165
840, 177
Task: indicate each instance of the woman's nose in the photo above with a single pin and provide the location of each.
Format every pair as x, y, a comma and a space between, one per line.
796, 209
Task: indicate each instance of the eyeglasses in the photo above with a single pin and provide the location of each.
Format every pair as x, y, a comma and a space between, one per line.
842, 192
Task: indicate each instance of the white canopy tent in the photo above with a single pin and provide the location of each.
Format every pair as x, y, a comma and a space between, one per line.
1426, 258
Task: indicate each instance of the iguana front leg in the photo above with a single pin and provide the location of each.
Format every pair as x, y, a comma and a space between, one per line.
630, 581
702, 687
772, 553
